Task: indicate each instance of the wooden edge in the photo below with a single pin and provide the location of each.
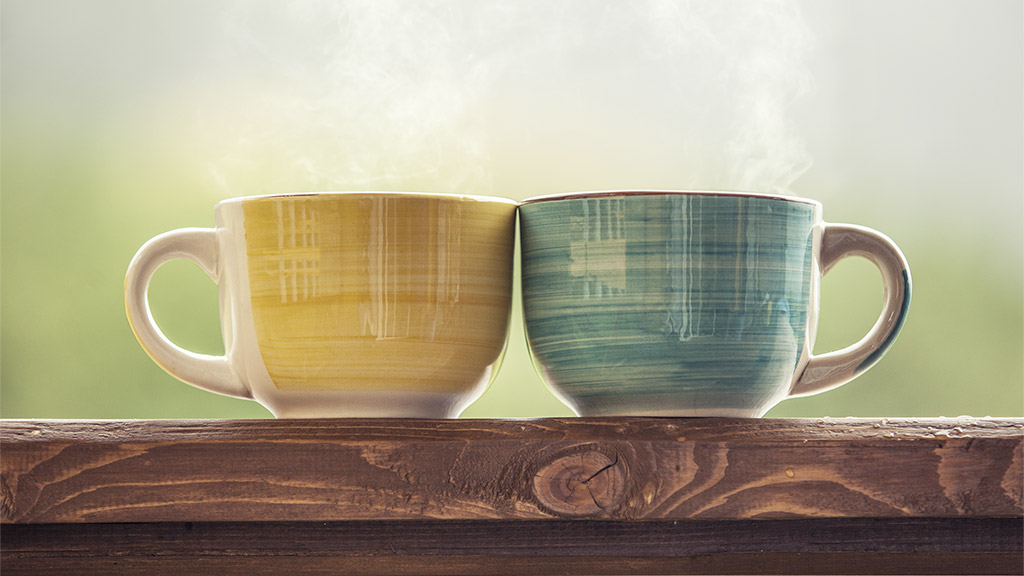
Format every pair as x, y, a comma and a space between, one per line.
617, 469
798, 546
635, 428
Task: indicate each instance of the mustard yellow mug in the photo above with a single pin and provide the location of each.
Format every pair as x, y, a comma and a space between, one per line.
345, 304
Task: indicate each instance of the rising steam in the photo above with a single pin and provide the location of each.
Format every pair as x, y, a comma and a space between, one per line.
402, 95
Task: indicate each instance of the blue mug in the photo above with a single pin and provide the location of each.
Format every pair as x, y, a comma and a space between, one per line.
691, 303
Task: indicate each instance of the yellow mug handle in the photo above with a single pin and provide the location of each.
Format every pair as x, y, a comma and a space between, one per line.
213, 373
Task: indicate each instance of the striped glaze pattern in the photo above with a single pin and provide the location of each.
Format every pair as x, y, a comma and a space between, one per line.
380, 292
681, 304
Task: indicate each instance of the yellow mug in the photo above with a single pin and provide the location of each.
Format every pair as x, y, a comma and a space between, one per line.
345, 304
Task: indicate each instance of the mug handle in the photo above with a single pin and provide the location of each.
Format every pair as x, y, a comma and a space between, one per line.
837, 368
213, 373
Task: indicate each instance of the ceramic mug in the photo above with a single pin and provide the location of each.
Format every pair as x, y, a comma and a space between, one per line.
348, 304
691, 303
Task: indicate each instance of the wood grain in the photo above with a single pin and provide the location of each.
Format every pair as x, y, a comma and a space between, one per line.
802, 546
618, 469
805, 546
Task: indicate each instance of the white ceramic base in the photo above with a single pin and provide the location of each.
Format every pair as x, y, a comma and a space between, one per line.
703, 413
367, 404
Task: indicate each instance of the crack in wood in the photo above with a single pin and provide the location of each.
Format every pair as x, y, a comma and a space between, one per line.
602, 470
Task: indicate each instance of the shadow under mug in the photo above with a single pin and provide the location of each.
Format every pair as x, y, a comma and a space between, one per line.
348, 304
691, 303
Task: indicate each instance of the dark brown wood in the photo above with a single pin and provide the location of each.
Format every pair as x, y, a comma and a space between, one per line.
621, 469
804, 546
555, 496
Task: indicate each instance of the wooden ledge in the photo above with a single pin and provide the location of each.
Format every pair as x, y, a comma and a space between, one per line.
475, 547
625, 469
623, 495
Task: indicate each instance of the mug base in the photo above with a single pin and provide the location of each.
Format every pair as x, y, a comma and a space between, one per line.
368, 404
672, 413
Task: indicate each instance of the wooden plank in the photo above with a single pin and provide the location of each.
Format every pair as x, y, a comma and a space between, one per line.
802, 546
621, 469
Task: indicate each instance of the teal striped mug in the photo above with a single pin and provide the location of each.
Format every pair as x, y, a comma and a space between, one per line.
691, 303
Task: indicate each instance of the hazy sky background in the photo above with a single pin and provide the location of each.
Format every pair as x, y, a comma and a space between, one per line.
125, 118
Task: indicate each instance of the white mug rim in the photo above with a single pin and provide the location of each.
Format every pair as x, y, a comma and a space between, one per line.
372, 193
625, 193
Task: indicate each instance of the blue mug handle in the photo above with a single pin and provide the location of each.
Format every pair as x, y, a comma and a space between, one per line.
834, 369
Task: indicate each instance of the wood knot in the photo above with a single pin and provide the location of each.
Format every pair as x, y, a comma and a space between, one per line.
584, 483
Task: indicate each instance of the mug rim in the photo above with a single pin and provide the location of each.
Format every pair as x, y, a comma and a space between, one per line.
624, 193
377, 193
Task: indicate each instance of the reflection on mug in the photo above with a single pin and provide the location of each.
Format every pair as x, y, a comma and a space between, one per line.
597, 248
395, 275
298, 257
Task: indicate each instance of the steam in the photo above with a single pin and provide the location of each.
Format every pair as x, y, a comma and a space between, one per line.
410, 95
747, 61
360, 95
766, 150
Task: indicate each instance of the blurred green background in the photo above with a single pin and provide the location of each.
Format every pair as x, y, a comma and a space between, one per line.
124, 119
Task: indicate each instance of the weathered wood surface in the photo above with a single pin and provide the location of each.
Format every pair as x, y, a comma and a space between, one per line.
792, 546
617, 469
